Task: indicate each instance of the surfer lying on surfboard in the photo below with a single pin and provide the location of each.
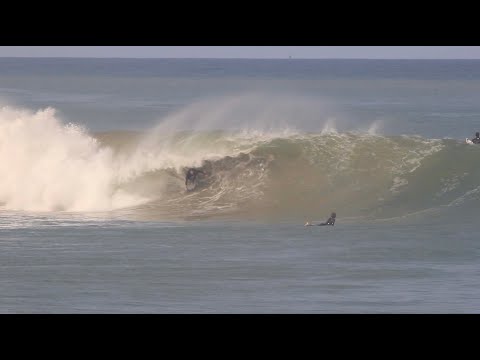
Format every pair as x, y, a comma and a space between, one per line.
476, 139
330, 221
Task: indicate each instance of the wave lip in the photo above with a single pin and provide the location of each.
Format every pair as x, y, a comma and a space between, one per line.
46, 165
297, 176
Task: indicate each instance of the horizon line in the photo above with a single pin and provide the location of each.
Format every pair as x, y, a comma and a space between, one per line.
223, 58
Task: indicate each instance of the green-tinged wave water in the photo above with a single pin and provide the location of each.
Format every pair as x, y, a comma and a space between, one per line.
301, 176
48, 166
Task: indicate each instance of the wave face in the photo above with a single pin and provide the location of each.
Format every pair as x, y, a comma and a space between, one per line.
46, 165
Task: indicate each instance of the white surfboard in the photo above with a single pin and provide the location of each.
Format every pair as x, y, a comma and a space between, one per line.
468, 141
191, 185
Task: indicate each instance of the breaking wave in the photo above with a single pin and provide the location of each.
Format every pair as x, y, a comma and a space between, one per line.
46, 165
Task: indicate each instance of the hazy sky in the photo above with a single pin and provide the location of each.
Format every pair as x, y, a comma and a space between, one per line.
307, 52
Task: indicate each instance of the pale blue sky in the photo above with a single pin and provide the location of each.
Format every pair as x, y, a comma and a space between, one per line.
307, 52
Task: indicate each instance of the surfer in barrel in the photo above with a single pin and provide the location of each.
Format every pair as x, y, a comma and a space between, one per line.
330, 221
191, 175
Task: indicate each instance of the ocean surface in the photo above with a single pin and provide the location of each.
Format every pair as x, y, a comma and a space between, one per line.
95, 218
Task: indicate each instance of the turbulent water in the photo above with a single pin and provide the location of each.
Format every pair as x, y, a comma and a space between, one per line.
95, 217
47, 165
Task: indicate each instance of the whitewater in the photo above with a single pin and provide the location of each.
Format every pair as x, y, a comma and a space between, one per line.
50, 166
95, 217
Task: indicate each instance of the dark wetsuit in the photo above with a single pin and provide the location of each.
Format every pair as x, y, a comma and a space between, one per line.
192, 175
330, 221
476, 140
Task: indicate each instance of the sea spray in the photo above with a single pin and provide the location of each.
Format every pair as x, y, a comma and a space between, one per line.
49, 166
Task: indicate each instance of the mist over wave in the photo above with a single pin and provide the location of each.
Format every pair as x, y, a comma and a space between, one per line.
49, 166
264, 157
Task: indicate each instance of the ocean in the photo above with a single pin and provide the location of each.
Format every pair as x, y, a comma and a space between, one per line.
95, 218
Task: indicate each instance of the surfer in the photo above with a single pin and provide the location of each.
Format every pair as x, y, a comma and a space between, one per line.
192, 175
330, 221
476, 139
